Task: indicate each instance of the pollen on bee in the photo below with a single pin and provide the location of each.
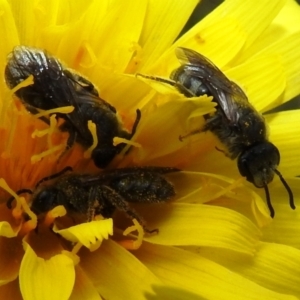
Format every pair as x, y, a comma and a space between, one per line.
133, 244
93, 129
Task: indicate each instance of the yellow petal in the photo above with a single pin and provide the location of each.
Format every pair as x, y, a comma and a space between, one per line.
11, 253
120, 30
285, 134
7, 231
159, 137
285, 24
63, 25
83, 288
263, 80
163, 22
253, 19
185, 270
127, 93
87, 233
8, 33
285, 227
290, 60
116, 273
287, 19
24, 16
274, 267
56, 272
206, 40
202, 225
11, 291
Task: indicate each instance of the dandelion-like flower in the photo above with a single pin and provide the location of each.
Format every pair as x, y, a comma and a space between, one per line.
216, 239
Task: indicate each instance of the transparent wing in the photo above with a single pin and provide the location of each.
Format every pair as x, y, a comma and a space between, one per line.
224, 91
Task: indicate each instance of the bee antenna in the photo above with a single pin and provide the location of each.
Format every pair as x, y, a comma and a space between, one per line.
271, 209
291, 196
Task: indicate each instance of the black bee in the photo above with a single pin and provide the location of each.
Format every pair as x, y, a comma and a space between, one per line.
92, 195
55, 86
237, 124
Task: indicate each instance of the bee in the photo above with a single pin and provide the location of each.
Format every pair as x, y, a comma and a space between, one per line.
236, 123
56, 86
101, 194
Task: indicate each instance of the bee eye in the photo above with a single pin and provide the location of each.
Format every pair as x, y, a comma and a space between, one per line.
45, 200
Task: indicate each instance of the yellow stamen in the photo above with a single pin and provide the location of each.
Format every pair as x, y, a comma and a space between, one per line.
27, 227
133, 244
230, 187
118, 140
49, 131
20, 208
137, 58
76, 248
28, 211
60, 110
39, 133
28, 81
95, 246
52, 127
17, 211
58, 211
93, 129
37, 157
73, 256
91, 56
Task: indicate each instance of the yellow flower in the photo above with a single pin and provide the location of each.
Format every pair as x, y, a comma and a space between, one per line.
216, 240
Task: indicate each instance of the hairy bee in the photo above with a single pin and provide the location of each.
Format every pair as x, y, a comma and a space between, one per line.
55, 86
93, 195
236, 123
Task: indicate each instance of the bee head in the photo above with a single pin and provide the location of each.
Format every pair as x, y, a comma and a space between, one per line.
46, 200
258, 164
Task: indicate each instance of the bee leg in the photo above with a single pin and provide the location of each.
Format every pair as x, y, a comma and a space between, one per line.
93, 203
136, 123
185, 91
71, 139
127, 135
119, 203
180, 87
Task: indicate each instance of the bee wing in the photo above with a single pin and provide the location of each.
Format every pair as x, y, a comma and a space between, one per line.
224, 91
123, 172
61, 86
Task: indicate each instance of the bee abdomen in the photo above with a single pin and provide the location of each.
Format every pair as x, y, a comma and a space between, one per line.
144, 187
